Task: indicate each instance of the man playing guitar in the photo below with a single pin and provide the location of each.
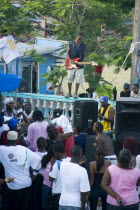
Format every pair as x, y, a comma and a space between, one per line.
76, 53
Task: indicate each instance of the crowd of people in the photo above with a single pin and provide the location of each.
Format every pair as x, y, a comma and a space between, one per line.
128, 93
42, 164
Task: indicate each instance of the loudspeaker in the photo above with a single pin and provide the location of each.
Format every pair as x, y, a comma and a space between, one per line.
127, 118
86, 114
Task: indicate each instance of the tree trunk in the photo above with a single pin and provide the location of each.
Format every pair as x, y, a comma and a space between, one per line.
136, 38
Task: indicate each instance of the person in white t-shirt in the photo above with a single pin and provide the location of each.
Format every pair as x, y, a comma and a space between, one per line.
17, 160
11, 55
75, 183
28, 110
54, 175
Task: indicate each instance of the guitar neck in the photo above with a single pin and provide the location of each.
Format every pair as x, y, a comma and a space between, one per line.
84, 63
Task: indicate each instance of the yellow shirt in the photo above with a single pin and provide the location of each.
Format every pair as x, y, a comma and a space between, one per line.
107, 125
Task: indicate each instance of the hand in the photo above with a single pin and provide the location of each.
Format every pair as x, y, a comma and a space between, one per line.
74, 62
100, 117
19, 114
120, 201
9, 179
94, 144
83, 160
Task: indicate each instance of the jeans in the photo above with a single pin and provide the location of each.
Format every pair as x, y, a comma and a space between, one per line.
37, 193
45, 193
69, 208
95, 194
14, 67
129, 207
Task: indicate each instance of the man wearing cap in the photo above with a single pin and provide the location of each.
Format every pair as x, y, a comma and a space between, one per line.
12, 124
17, 161
106, 114
9, 108
126, 90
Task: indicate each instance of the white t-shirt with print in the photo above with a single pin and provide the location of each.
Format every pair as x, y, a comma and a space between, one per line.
8, 48
74, 180
8, 157
55, 173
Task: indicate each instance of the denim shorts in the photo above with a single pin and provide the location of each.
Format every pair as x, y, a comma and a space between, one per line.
69, 208
129, 207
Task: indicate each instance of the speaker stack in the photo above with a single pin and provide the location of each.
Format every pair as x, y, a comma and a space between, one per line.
127, 119
86, 114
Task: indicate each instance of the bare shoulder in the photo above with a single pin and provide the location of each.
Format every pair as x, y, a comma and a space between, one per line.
111, 109
92, 164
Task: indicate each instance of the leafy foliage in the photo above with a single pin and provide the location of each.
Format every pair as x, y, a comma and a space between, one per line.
56, 76
71, 17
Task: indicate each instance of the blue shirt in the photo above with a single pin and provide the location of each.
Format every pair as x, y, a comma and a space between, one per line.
80, 141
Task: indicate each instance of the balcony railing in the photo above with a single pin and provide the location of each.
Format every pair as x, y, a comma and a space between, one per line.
47, 103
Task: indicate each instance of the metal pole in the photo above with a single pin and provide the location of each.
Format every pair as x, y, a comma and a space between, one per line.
136, 38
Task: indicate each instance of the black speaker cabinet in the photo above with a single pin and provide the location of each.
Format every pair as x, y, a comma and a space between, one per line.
86, 114
127, 118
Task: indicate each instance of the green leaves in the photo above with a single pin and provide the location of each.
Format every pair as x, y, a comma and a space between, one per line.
56, 76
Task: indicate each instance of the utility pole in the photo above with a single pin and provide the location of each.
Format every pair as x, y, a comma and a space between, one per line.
136, 38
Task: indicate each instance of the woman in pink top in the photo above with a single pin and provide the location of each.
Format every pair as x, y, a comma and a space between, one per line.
36, 130
120, 181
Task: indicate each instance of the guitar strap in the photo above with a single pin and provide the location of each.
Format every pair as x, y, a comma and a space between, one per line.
103, 113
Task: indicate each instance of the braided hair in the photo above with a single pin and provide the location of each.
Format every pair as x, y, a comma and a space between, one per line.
99, 126
100, 158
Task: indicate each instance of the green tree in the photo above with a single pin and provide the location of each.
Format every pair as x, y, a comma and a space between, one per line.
73, 16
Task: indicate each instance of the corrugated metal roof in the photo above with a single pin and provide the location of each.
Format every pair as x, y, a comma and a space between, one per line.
23, 48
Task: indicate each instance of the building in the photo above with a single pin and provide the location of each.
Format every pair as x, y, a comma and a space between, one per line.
32, 70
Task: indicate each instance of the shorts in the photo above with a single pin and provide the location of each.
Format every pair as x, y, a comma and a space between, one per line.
69, 208
76, 75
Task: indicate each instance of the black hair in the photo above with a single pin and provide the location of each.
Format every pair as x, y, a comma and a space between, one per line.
38, 115
57, 113
100, 158
59, 147
99, 126
79, 34
78, 128
76, 151
28, 102
137, 85
124, 158
52, 131
47, 158
41, 143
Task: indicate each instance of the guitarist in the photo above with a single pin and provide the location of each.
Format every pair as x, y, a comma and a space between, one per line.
76, 49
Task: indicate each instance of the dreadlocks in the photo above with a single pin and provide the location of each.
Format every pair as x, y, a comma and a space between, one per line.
99, 127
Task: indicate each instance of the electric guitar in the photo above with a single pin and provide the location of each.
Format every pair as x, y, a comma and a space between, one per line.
72, 63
